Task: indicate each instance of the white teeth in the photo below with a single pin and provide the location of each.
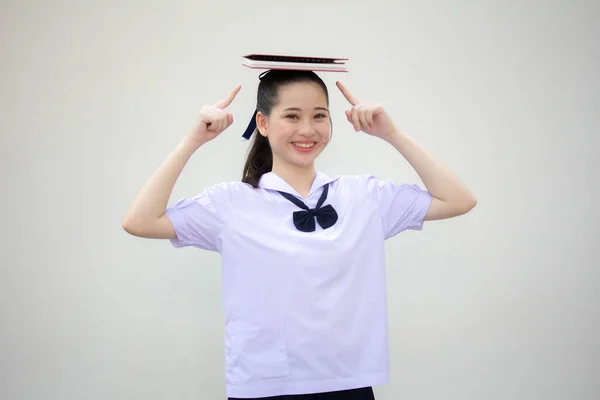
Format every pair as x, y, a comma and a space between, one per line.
304, 145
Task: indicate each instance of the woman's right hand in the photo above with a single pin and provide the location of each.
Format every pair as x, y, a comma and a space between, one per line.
213, 120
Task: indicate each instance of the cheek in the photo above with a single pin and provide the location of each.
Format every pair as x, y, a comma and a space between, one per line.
324, 129
281, 131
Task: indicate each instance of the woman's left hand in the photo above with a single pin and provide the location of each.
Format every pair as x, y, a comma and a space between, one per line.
369, 118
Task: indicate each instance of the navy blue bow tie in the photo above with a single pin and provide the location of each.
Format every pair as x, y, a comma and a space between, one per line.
305, 220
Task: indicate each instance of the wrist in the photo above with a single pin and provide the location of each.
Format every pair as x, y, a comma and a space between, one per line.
189, 146
394, 136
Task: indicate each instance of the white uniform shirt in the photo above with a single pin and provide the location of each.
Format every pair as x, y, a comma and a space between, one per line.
305, 312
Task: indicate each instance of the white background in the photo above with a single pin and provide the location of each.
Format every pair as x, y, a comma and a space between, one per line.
499, 304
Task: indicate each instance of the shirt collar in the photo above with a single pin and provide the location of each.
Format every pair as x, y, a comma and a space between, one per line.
271, 181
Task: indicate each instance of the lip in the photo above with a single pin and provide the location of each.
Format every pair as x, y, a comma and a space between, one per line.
304, 149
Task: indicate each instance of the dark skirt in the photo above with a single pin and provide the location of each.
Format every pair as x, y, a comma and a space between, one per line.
351, 394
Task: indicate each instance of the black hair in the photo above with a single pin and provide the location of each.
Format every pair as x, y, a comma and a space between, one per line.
260, 156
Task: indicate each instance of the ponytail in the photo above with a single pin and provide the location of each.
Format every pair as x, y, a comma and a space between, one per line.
259, 161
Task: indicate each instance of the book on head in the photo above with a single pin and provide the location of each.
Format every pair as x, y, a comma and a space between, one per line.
276, 61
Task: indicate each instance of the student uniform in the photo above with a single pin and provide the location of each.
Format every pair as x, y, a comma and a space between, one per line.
305, 307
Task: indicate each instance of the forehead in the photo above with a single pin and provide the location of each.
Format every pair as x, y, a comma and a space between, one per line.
301, 93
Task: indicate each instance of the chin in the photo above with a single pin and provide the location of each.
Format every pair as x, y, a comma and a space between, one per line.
305, 164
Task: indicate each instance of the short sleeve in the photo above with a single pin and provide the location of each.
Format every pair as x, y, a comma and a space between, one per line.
401, 206
199, 220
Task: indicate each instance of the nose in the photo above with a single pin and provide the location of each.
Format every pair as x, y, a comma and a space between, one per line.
307, 129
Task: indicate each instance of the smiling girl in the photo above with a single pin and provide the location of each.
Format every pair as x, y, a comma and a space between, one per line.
303, 268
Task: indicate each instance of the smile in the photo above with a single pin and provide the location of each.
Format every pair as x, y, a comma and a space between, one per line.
304, 145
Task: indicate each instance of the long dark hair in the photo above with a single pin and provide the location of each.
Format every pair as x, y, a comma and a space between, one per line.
260, 156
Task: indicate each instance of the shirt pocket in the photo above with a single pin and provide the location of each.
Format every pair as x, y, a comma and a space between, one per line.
256, 353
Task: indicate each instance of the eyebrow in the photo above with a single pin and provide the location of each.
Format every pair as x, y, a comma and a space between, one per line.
298, 109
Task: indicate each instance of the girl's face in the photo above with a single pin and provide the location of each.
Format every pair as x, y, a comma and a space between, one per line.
299, 126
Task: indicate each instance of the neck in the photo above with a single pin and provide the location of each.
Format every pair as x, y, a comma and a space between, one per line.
300, 178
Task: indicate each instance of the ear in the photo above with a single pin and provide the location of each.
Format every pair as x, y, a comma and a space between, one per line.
262, 123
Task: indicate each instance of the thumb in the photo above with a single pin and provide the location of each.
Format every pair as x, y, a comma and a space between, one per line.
348, 115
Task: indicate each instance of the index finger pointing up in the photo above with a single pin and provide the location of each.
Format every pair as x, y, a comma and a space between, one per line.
351, 99
227, 101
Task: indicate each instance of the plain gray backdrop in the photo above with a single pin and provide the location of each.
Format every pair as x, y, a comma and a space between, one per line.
499, 304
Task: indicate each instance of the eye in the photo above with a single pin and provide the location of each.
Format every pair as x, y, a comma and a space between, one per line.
320, 116
292, 116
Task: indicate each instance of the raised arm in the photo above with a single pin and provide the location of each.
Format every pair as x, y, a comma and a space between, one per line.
451, 197
146, 216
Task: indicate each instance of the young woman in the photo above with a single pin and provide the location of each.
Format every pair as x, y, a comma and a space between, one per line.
302, 253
